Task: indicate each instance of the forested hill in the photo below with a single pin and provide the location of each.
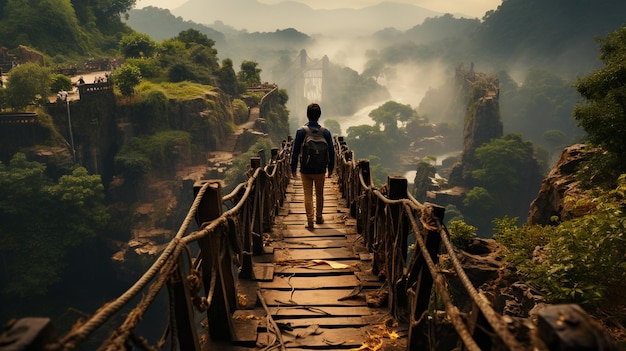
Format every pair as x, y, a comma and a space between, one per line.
554, 35
560, 34
64, 28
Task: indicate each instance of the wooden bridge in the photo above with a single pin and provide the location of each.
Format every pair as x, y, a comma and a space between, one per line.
243, 273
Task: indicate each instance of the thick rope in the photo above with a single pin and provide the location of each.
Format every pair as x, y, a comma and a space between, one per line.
492, 317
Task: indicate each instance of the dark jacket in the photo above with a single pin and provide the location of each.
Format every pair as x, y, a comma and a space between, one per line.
297, 147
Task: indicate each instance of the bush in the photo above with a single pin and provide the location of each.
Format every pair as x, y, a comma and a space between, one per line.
577, 260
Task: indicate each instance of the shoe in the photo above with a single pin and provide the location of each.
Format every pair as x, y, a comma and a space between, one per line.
319, 220
310, 225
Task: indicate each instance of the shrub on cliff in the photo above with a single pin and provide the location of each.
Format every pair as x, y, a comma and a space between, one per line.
579, 260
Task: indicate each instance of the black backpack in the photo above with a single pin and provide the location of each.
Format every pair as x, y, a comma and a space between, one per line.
314, 149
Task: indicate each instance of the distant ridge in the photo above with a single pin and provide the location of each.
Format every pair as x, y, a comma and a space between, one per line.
253, 16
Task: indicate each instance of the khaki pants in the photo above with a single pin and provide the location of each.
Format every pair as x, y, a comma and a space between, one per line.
308, 180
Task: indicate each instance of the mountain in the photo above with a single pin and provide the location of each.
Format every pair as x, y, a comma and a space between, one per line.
254, 16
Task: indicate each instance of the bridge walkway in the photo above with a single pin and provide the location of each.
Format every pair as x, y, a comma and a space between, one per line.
317, 284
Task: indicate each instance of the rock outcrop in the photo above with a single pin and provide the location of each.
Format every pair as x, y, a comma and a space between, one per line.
559, 184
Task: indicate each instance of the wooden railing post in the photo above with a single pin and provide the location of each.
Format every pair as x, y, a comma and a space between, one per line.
420, 283
216, 256
186, 331
257, 224
397, 245
261, 154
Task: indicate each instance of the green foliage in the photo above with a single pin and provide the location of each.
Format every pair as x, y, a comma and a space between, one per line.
542, 104
60, 82
127, 77
137, 45
50, 26
35, 243
480, 200
239, 172
240, 111
370, 140
333, 125
132, 166
193, 37
227, 78
378, 171
502, 161
603, 116
389, 114
142, 154
577, 260
249, 75
452, 214
149, 67
28, 83
506, 182
152, 113
461, 233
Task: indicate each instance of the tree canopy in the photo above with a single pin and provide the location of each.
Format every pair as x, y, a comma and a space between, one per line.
28, 83
604, 115
35, 242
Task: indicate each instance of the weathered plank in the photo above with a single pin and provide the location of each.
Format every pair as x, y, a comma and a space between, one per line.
288, 283
341, 253
312, 242
320, 297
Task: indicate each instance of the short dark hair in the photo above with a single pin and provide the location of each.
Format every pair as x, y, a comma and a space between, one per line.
313, 112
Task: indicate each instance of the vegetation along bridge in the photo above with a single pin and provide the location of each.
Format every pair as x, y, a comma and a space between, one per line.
250, 276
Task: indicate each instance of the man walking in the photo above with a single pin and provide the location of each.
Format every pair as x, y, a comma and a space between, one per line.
313, 147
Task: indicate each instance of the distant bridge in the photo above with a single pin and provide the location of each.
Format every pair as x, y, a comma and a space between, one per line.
242, 273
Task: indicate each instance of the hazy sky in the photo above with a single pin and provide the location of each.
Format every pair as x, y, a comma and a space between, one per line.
472, 8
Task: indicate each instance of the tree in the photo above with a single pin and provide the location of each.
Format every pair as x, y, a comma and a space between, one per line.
603, 116
193, 36
333, 125
249, 75
137, 45
126, 77
28, 83
389, 114
227, 78
34, 243
50, 26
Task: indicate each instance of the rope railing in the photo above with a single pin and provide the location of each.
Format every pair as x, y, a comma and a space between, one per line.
386, 218
225, 241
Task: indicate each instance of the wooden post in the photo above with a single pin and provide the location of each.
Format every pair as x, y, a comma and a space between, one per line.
261, 154
216, 257
207, 210
420, 282
183, 310
397, 186
274, 153
255, 162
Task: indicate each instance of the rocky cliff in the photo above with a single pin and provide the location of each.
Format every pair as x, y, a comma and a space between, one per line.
559, 184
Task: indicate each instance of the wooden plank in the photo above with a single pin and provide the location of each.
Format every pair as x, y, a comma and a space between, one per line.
245, 332
287, 312
299, 231
311, 242
325, 322
263, 271
288, 283
344, 338
314, 254
320, 297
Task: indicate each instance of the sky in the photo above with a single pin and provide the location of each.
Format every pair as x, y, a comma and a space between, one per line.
471, 8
